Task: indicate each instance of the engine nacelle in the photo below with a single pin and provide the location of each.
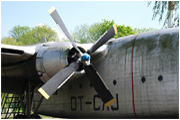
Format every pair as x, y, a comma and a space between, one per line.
51, 58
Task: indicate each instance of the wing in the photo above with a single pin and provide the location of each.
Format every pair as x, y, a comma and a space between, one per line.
17, 67
11, 55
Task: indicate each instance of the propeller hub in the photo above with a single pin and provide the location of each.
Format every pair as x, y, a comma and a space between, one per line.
85, 57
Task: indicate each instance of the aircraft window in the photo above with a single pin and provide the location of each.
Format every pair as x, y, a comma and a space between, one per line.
143, 79
114, 82
160, 78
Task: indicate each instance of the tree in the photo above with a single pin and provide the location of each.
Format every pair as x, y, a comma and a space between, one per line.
92, 33
18, 31
81, 34
10, 41
24, 35
44, 31
124, 31
37, 33
161, 6
95, 31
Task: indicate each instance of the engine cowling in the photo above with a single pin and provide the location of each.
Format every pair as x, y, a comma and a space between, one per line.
52, 57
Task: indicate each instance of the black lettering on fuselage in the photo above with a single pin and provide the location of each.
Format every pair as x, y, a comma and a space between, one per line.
106, 107
96, 106
80, 98
73, 103
117, 104
94, 103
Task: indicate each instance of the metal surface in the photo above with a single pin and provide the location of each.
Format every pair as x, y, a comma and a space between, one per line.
28, 100
51, 58
37, 107
147, 67
10, 106
77, 63
15, 54
155, 54
61, 76
58, 80
14, 77
99, 85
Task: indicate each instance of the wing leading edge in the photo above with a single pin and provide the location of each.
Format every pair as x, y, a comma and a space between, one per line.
11, 55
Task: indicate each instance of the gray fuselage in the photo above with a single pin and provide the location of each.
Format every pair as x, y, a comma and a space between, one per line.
142, 74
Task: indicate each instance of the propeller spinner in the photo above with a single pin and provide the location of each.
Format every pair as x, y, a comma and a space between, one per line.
63, 75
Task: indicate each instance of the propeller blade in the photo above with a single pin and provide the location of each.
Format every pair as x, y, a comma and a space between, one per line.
103, 39
99, 85
54, 14
58, 80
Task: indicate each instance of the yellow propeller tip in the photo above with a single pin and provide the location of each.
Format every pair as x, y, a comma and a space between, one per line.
110, 102
43, 93
115, 28
52, 9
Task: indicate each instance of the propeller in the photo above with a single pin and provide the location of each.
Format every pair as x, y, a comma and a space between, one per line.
54, 14
84, 60
58, 80
103, 39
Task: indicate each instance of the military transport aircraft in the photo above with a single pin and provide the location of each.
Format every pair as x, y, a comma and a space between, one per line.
136, 76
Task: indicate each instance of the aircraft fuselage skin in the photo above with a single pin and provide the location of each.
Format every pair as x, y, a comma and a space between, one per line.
142, 73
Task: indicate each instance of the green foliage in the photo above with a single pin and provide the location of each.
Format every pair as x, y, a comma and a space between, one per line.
124, 31
10, 41
10, 101
44, 31
106, 25
18, 31
161, 6
81, 34
92, 33
95, 31
23, 35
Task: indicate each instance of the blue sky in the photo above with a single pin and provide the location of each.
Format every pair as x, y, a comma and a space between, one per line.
129, 13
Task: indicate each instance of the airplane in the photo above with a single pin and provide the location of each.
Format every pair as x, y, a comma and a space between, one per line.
135, 76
